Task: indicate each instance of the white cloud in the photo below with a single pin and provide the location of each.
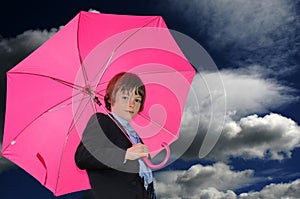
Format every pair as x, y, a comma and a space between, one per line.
12, 50
275, 191
218, 181
200, 180
244, 93
249, 91
93, 10
270, 137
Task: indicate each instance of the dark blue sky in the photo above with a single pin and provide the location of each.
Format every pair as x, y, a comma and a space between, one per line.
256, 48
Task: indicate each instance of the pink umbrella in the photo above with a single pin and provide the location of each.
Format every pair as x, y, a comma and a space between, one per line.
53, 92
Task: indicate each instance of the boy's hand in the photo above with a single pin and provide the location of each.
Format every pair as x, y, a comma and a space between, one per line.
137, 151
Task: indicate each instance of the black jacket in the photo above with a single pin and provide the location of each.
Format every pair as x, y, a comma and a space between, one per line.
101, 153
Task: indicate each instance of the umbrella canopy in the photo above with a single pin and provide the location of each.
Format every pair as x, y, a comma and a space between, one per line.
53, 92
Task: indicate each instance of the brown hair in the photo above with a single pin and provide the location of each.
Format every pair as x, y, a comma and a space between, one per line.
124, 82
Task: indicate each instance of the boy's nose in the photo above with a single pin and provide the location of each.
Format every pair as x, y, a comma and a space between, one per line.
131, 102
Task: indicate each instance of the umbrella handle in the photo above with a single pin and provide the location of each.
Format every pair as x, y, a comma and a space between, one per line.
160, 165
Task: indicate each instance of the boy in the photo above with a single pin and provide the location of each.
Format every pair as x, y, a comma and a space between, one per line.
111, 151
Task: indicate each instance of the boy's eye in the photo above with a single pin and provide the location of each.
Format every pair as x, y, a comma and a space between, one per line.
138, 100
125, 97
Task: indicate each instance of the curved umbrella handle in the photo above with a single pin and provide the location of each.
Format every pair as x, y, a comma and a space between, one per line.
158, 166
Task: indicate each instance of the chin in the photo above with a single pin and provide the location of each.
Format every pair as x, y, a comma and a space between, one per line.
130, 117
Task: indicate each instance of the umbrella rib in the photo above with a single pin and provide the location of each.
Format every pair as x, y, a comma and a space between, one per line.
99, 93
121, 43
53, 78
48, 110
79, 54
72, 125
77, 112
157, 124
127, 38
68, 104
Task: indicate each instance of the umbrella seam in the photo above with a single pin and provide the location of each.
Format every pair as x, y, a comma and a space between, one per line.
54, 79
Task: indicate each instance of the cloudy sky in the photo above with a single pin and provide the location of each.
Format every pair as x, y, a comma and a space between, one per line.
246, 138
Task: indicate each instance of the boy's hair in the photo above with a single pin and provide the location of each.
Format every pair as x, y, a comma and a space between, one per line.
124, 82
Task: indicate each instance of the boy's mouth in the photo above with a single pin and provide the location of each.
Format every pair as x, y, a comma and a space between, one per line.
128, 111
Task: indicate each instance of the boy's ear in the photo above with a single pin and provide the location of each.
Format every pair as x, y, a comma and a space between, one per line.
110, 101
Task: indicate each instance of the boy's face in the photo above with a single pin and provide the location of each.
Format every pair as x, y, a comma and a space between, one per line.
126, 104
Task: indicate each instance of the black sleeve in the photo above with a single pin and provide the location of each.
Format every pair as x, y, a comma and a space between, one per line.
99, 148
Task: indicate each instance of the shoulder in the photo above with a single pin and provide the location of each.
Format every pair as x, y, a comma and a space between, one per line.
103, 118
99, 122
99, 116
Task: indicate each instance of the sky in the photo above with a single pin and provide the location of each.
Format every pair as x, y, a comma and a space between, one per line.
247, 136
